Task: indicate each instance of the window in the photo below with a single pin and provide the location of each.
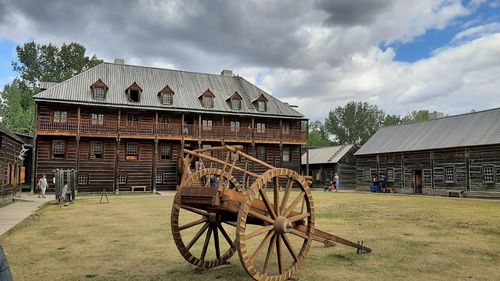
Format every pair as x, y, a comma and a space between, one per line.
132, 118
366, 174
208, 101
449, 175
261, 106
165, 120
207, 146
58, 149
261, 152
96, 150
165, 151
390, 174
207, 125
167, 98
134, 95
286, 154
60, 116
390, 158
159, 178
131, 151
97, 119
122, 178
261, 128
83, 179
235, 126
236, 103
99, 93
488, 174
285, 129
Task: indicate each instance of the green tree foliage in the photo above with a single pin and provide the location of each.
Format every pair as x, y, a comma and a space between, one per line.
37, 63
415, 116
354, 123
391, 120
17, 108
50, 63
318, 135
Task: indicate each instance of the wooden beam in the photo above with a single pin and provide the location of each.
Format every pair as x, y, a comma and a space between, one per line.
117, 157
155, 160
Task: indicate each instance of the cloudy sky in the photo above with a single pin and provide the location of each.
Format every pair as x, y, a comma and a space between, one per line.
401, 55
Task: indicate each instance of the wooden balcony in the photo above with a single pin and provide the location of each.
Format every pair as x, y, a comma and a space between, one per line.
140, 129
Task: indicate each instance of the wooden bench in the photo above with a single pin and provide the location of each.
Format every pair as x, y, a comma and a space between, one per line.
457, 192
134, 187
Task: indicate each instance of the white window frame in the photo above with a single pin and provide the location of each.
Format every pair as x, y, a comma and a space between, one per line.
261, 106
122, 179
167, 98
159, 178
83, 179
99, 93
287, 154
236, 103
488, 173
449, 174
208, 101
235, 126
261, 128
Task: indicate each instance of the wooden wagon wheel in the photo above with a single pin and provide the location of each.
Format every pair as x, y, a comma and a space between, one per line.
211, 224
279, 219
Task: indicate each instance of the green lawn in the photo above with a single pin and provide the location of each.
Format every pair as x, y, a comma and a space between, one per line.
412, 237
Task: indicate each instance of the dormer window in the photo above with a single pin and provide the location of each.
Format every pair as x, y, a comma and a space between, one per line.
261, 103
99, 90
207, 99
166, 96
235, 101
134, 93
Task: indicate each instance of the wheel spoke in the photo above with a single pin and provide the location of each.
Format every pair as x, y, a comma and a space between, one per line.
289, 246
277, 196
205, 245
261, 246
231, 223
194, 210
299, 217
259, 231
288, 188
294, 204
197, 236
279, 253
216, 242
270, 251
261, 217
194, 223
267, 203
299, 233
224, 233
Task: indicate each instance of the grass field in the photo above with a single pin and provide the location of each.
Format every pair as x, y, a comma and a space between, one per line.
412, 237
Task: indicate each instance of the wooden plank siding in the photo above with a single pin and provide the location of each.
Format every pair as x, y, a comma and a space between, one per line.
467, 165
10, 167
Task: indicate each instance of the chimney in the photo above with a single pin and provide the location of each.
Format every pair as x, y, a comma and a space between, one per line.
227, 72
119, 61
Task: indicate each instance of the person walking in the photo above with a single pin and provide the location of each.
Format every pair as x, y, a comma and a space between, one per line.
42, 186
337, 182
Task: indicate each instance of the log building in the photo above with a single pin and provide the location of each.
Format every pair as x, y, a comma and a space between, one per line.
123, 125
12, 170
459, 152
324, 162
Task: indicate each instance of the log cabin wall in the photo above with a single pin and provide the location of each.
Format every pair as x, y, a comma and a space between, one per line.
474, 169
11, 168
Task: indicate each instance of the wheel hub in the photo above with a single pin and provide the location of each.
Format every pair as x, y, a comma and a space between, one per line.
282, 225
213, 218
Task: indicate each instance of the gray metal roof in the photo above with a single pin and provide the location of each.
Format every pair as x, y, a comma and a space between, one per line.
327, 154
187, 87
471, 129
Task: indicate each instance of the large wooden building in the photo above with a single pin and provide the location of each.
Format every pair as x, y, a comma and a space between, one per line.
325, 162
459, 152
122, 125
12, 170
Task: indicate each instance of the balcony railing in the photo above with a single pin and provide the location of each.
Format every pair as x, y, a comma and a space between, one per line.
170, 129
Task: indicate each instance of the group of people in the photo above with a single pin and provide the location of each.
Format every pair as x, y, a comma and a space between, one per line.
379, 183
333, 184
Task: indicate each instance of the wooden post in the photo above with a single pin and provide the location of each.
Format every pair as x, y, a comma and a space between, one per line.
467, 169
402, 172
432, 170
252, 129
223, 130
199, 128
307, 150
117, 158
155, 159
34, 151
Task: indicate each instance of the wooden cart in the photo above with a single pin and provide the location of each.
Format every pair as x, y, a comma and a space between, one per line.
271, 213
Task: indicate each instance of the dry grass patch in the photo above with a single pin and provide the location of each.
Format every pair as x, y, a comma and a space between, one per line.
413, 238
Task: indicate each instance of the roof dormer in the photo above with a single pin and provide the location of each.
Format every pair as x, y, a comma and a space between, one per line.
260, 103
99, 90
134, 92
235, 101
166, 96
207, 99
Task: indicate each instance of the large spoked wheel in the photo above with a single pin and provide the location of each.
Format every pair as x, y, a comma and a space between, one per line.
277, 235
193, 223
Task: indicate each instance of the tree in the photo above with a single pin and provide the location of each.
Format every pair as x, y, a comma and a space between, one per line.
391, 120
37, 63
354, 123
17, 109
415, 116
317, 135
49, 63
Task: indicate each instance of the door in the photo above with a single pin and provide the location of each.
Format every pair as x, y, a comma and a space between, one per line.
417, 181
